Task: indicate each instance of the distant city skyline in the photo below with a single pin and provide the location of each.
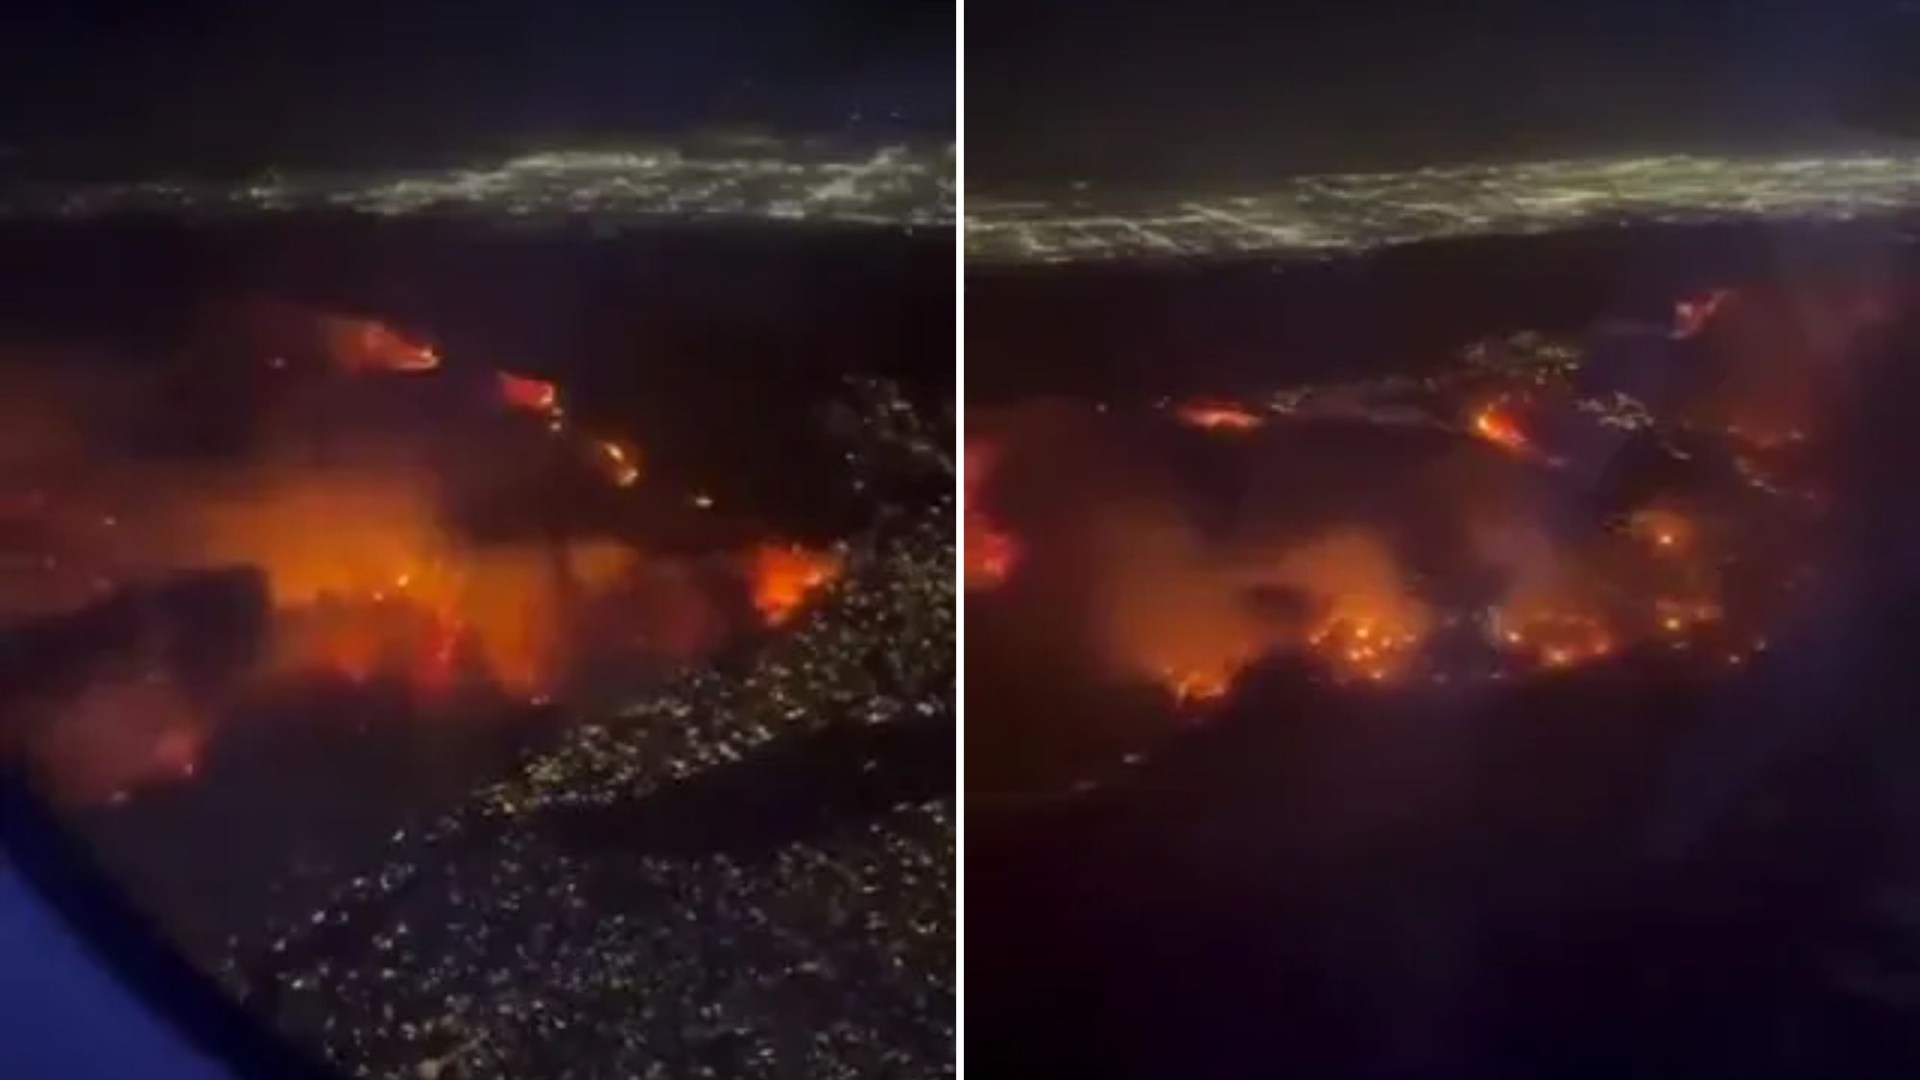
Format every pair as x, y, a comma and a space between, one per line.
1333, 213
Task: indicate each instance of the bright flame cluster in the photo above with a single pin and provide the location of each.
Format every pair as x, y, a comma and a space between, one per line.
783, 577
990, 552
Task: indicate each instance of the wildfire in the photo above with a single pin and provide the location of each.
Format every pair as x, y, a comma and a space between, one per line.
1371, 626
1365, 647
528, 394
1665, 531
367, 582
990, 552
362, 345
1676, 617
990, 555
1493, 423
1198, 686
369, 579
1552, 638
783, 576
1218, 415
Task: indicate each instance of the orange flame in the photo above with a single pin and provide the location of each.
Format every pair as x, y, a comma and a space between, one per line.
1198, 686
784, 576
528, 394
1492, 423
366, 582
1552, 638
1210, 414
1371, 626
990, 552
363, 345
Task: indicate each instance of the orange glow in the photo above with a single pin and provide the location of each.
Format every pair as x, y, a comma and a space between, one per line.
784, 576
1494, 424
989, 551
1677, 617
1552, 638
528, 394
1198, 686
366, 345
1218, 415
990, 554
1178, 614
620, 461
1371, 626
367, 582
1663, 530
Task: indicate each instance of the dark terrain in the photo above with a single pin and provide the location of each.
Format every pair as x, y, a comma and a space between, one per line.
1628, 871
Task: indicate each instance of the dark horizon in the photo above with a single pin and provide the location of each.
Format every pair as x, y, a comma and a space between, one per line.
135, 87
1134, 94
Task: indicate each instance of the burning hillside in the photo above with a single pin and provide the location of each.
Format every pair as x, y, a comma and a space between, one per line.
350, 500
1653, 494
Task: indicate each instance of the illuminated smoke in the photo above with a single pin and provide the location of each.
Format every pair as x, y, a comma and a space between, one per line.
344, 500
123, 733
1171, 611
369, 582
1191, 618
1777, 354
1663, 529
1555, 612
1368, 624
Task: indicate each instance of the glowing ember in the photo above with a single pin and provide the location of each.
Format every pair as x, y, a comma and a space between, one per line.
528, 394
784, 576
620, 461
1494, 424
1371, 625
361, 345
1364, 647
1218, 415
1677, 617
1553, 639
1663, 530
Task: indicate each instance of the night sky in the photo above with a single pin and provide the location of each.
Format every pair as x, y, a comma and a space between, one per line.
213, 81
1210, 92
